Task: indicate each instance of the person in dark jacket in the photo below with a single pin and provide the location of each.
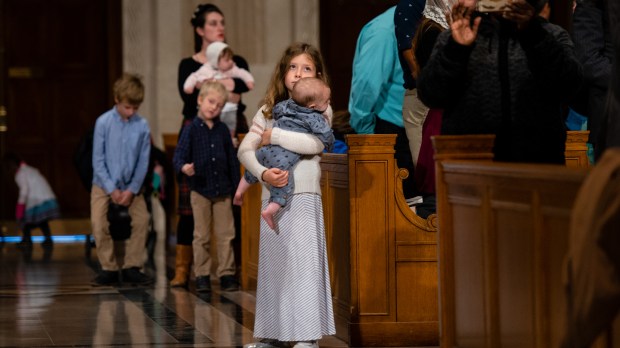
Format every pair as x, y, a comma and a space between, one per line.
593, 46
506, 74
612, 109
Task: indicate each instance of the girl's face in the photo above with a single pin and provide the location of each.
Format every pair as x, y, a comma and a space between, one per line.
300, 66
213, 30
210, 105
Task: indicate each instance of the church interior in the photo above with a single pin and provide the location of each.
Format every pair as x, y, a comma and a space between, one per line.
495, 274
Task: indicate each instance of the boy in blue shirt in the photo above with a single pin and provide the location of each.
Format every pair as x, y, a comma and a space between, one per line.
121, 149
205, 153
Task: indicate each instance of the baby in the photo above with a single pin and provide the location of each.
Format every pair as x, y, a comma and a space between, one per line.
220, 65
302, 113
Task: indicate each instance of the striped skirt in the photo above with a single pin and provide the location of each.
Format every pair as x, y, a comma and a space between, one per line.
293, 297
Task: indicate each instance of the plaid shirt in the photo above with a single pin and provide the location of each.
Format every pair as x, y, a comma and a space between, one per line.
214, 157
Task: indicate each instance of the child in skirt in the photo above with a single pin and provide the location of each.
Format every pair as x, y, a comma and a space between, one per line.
293, 294
36, 204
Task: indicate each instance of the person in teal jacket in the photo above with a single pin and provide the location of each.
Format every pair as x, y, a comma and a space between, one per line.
377, 91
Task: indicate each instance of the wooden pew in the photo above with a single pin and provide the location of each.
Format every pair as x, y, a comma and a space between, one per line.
576, 152
503, 237
382, 256
393, 252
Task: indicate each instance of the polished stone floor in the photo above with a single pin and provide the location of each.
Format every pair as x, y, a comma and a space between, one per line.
46, 301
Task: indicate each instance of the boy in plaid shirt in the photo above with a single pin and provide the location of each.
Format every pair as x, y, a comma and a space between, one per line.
205, 153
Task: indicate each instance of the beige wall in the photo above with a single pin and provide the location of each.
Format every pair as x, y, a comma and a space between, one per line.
157, 35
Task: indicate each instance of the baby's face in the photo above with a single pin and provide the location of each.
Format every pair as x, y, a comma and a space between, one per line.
225, 63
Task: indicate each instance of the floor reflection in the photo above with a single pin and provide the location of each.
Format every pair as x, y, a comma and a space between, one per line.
46, 301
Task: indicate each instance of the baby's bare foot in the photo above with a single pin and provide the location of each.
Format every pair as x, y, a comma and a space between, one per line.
268, 219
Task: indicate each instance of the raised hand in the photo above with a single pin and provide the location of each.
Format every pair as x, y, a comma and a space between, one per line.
463, 30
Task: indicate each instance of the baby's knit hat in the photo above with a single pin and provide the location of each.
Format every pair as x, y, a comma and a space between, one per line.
213, 52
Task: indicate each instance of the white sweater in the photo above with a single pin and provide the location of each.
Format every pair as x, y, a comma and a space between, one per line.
33, 188
307, 173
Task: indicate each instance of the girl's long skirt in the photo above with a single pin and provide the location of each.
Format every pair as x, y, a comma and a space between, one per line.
293, 297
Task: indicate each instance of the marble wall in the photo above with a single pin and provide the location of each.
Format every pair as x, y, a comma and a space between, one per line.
157, 35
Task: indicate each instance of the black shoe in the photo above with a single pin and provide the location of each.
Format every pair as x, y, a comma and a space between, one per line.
134, 276
105, 278
229, 283
203, 284
48, 243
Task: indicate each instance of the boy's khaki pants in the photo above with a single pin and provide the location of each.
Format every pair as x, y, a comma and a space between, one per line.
216, 212
134, 246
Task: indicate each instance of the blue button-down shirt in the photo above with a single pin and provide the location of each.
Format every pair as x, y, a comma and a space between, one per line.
121, 150
212, 152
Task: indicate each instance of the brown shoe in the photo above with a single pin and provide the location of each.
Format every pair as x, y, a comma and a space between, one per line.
183, 264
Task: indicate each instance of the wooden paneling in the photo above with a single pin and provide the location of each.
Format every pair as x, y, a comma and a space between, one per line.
59, 59
335, 192
504, 234
576, 152
393, 258
250, 236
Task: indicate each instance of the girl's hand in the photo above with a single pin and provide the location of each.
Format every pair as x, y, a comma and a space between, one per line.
266, 137
275, 177
188, 169
20, 210
520, 12
464, 31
